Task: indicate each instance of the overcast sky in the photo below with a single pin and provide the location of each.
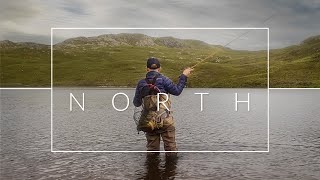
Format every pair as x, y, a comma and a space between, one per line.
292, 20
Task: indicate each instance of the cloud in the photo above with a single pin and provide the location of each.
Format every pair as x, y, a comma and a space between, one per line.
17, 11
75, 8
292, 22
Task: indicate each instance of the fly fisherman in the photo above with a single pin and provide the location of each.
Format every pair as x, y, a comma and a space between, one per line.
158, 121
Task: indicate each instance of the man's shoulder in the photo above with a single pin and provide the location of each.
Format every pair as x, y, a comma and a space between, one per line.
163, 77
142, 81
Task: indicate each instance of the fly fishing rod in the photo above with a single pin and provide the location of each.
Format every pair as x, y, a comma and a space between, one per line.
215, 52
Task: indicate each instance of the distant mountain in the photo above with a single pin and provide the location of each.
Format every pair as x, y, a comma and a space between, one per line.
125, 39
307, 48
312, 40
31, 45
7, 44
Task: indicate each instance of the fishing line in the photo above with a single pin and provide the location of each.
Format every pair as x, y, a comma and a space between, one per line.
228, 43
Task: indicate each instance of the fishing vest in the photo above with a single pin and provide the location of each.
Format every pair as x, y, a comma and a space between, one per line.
152, 120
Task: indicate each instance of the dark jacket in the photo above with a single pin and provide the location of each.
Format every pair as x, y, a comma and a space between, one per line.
164, 84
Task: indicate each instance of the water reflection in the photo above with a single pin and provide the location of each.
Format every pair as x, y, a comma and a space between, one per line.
156, 169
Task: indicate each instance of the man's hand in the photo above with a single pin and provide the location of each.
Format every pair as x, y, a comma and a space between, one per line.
187, 71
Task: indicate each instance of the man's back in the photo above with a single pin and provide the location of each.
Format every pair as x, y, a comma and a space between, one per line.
156, 122
163, 83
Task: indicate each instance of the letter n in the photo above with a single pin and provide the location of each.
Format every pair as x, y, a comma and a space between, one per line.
72, 97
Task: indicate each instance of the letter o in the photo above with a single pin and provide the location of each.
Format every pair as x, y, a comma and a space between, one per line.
115, 97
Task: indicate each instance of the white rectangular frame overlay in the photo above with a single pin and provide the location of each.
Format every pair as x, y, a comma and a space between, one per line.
252, 28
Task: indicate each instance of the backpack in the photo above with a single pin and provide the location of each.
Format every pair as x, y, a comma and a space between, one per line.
150, 88
150, 118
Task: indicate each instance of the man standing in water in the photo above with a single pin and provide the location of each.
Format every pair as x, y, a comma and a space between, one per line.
156, 120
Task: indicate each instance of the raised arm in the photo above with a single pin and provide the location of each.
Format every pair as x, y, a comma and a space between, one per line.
175, 89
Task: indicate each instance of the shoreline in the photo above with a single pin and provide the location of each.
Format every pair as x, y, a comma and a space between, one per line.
117, 87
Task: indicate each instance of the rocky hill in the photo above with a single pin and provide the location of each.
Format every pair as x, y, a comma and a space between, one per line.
31, 45
125, 39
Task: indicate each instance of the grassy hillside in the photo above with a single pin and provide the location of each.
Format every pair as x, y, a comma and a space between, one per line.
296, 66
24, 64
119, 60
125, 65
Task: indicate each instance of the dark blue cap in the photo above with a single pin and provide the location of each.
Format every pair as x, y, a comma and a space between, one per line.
153, 63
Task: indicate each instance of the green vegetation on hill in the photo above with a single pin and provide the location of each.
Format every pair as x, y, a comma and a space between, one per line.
24, 64
296, 66
125, 65
119, 60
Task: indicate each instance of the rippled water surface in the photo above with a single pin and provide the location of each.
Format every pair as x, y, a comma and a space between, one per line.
294, 136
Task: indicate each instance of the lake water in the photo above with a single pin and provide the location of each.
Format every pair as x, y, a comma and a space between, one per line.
294, 136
